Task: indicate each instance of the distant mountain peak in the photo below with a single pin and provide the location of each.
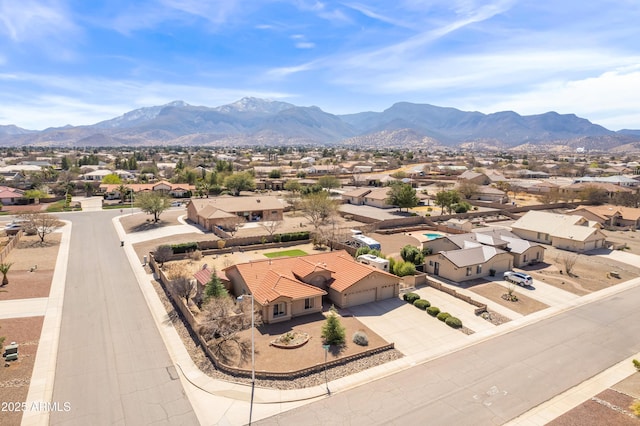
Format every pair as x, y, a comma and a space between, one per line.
251, 104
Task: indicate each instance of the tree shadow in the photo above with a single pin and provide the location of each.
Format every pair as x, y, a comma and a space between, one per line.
148, 225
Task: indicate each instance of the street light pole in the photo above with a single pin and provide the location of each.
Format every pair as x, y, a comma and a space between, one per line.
253, 352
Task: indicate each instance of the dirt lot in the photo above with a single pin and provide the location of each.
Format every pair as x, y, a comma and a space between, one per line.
590, 273
525, 305
631, 238
15, 379
23, 283
610, 407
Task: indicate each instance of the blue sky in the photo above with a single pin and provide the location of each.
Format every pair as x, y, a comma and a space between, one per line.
82, 61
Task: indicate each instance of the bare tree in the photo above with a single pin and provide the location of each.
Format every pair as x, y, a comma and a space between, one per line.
232, 225
40, 224
184, 286
569, 261
222, 321
271, 226
318, 208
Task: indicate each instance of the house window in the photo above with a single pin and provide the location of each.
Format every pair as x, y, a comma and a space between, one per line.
468, 270
278, 309
274, 211
308, 303
431, 263
479, 269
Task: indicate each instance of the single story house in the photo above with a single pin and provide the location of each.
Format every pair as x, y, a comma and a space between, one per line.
285, 288
224, 211
378, 197
473, 261
610, 215
10, 196
567, 232
355, 196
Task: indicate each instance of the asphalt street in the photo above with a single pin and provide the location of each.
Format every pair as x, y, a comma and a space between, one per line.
113, 367
492, 382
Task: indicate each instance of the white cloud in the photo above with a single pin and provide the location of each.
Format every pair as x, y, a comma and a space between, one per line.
32, 20
305, 45
609, 99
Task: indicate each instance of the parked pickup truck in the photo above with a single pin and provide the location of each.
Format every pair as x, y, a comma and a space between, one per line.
519, 278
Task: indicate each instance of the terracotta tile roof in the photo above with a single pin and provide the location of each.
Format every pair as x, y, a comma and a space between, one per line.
271, 278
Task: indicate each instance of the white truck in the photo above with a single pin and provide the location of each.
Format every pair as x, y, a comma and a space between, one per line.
519, 278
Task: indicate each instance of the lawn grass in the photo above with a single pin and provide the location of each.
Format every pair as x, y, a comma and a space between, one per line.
59, 206
290, 253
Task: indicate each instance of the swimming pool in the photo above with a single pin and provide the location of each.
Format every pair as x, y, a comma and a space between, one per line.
431, 236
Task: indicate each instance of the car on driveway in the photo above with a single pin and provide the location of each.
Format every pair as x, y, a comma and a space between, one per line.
519, 278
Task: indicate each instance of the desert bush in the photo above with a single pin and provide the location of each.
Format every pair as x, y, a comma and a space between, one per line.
402, 269
453, 322
411, 297
433, 311
442, 316
184, 247
636, 364
360, 338
421, 304
635, 407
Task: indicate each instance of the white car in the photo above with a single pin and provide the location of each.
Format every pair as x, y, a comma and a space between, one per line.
519, 278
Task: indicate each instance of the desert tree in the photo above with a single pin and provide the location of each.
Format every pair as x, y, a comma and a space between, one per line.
237, 182
318, 208
468, 189
153, 203
40, 224
163, 254
403, 196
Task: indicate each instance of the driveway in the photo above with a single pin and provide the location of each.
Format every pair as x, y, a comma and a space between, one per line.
414, 332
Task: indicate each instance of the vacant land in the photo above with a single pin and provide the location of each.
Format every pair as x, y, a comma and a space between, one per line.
589, 273
32, 267
15, 379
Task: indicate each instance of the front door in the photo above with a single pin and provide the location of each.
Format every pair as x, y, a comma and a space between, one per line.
436, 268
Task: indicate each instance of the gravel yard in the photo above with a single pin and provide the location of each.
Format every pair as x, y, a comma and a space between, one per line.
525, 305
15, 379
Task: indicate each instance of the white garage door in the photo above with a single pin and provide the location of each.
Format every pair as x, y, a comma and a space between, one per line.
361, 297
386, 292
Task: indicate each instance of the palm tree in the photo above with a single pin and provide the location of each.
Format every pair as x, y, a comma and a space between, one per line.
4, 269
123, 190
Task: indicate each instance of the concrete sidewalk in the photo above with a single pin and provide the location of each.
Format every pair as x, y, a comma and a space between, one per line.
22, 308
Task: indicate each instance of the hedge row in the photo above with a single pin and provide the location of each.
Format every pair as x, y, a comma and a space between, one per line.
184, 247
291, 236
434, 311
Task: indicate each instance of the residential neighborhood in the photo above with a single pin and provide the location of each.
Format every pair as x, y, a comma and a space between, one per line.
252, 252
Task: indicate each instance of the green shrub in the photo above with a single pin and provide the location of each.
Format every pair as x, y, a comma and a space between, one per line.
360, 338
636, 364
421, 304
184, 247
442, 316
285, 237
433, 311
453, 322
411, 297
277, 238
362, 250
402, 269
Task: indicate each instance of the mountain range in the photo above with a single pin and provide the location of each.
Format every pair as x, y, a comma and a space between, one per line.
253, 121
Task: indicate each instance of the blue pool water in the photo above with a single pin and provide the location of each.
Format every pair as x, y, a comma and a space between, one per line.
432, 236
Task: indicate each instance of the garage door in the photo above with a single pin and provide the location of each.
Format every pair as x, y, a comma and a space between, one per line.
386, 292
361, 297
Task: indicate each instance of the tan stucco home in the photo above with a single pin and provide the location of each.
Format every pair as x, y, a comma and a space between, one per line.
567, 232
285, 288
610, 215
471, 262
224, 211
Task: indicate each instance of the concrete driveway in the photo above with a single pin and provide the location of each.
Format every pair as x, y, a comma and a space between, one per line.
414, 332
